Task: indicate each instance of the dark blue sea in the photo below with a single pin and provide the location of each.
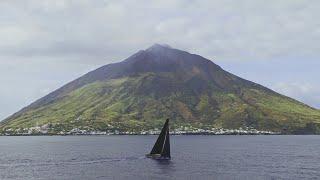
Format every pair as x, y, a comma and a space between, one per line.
193, 157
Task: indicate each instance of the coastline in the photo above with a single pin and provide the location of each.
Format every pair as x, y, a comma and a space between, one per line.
136, 134
196, 131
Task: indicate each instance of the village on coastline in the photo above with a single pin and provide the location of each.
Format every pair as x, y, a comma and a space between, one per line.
182, 130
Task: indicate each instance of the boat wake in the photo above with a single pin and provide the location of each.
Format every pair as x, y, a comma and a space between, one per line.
70, 162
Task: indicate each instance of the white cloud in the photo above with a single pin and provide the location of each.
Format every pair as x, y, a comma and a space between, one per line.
223, 29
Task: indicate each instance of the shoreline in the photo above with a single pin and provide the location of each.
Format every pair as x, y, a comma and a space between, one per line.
156, 135
46, 131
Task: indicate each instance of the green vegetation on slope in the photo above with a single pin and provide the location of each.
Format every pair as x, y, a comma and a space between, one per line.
134, 103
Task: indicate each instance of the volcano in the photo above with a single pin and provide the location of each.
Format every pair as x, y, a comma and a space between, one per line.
162, 82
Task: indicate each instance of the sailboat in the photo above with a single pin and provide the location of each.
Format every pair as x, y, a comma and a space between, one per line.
161, 149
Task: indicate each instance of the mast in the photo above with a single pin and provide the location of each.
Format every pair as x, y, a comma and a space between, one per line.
166, 146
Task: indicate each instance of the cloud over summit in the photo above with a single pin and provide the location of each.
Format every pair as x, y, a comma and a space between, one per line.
227, 30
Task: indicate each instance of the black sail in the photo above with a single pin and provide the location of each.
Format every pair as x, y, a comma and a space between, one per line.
162, 145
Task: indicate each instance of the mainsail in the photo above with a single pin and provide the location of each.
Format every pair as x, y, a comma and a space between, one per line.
162, 146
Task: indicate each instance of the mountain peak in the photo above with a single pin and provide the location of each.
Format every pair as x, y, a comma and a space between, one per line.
159, 46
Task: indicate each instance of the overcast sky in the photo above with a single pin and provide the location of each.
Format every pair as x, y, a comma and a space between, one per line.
45, 44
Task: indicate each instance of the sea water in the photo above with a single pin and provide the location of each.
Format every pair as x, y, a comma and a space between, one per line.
193, 157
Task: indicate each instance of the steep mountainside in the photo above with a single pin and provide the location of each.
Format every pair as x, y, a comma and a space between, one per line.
160, 82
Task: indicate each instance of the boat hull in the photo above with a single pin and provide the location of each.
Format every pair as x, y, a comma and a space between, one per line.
157, 157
